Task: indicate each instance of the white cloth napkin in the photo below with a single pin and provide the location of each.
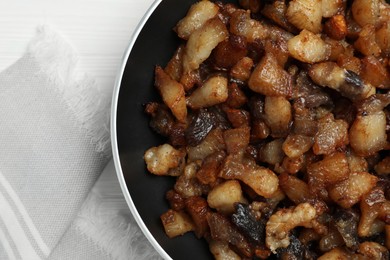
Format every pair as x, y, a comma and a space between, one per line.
54, 145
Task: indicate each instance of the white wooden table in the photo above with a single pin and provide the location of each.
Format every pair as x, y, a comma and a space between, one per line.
99, 30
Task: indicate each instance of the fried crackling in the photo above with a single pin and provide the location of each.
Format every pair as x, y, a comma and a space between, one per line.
373, 250
172, 94
159, 160
212, 92
348, 83
176, 223
279, 49
212, 143
269, 78
272, 152
308, 47
222, 229
242, 69
331, 7
336, 27
296, 189
208, 172
242, 24
236, 139
276, 11
201, 43
174, 67
277, 115
373, 207
280, 223
330, 170
367, 134
187, 185
332, 134
198, 14
293, 165
366, 42
357, 163
349, 192
263, 181
223, 196
382, 38
198, 208
375, 73
365, 11
305, 14
229, 52
335, 48
295, 145
236, 97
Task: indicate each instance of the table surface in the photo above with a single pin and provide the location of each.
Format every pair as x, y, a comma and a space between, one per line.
99, 30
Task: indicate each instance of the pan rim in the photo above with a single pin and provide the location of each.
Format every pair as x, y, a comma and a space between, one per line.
114, 139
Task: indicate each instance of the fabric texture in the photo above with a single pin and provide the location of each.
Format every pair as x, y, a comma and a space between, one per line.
54, 145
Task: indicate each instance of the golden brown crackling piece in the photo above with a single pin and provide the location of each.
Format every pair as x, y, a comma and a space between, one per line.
305, 14
308, 47
201, 43
198, 14
172, 94
223, 196
270, 79
366, 42
284, 220
367, 135
365, 11
214, 91
349, 192
176, 223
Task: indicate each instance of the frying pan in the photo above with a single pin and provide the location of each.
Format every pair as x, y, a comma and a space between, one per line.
153, 43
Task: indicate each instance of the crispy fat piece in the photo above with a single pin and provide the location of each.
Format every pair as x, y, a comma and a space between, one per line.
308, 47
176, 223
336, 27
365, 11
263, 181
243, 25
270, 79
331, 7
196, 17
305, 14
201, 42
367, 134
161, 159
172, 94
223, 196
284, 220
349, 192
214, 91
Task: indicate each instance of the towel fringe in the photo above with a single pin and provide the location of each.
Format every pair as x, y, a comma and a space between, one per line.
90, 106
107, 223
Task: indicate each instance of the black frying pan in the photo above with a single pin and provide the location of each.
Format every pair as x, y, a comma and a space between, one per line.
154, 42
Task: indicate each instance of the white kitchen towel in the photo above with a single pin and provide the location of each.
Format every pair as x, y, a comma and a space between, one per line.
54, 144
104, 227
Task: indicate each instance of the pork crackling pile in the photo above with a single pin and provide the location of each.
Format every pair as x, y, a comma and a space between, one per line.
276, 117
